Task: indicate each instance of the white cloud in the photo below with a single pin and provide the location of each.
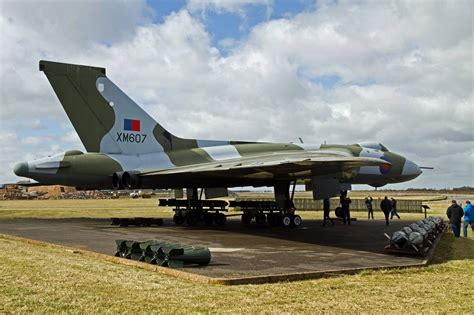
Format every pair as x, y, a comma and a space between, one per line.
31, 31
404, 70
37, 124
225, 5
51, 24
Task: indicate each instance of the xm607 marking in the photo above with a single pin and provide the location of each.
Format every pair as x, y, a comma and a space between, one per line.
131, 137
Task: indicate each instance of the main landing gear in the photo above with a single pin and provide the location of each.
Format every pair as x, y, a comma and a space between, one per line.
267, 212
280, 212
194, 210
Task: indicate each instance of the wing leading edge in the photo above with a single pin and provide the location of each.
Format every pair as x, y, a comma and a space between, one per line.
273, 165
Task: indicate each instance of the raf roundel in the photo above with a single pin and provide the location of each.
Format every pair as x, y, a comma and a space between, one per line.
385, 168
131, 124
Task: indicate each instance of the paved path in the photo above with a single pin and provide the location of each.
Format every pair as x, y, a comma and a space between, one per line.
237, 250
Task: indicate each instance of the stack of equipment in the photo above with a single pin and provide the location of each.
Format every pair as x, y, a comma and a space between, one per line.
417, 238
163, 253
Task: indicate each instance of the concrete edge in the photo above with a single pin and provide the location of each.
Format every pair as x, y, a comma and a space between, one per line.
431, 252
306, 275
229, 281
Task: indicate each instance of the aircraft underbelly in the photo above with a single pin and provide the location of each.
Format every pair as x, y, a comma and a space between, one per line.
76, 180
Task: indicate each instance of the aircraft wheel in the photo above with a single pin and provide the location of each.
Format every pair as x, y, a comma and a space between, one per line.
286, 221
178, 220
296, 221
246, 218
208, 218
260, 218
192, 219
220, 219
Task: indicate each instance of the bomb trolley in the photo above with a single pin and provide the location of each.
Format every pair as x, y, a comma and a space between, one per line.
417, 238
194, 211
267, 212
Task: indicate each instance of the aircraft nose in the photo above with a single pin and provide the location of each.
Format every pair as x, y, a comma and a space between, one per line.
411, 169
21, 169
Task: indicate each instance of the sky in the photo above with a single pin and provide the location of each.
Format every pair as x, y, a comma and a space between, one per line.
398, 73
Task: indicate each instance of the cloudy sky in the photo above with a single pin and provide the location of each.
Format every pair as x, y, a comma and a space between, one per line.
395, 72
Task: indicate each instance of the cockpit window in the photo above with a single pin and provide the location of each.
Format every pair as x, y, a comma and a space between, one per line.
375, 146
383, 148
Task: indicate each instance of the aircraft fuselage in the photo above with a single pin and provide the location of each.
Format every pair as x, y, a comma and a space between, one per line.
96, 170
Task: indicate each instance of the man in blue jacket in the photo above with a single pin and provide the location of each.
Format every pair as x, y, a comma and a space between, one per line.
468, 217
455, 213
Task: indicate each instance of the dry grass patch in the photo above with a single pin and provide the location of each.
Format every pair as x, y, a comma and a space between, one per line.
89, 208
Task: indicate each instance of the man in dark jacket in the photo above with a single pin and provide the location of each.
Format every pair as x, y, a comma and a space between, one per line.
393, 211
386, 206
455, 214
345, 205
326, 210
368, 204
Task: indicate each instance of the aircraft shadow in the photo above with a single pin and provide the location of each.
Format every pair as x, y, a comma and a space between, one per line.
360, 235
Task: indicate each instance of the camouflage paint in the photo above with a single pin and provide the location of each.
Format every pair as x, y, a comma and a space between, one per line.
101, 113
90, 114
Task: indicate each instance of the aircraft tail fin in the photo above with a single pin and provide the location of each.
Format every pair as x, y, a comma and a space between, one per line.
104, 117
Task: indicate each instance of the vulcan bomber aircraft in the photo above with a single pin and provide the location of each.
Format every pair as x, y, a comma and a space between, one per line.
128, 149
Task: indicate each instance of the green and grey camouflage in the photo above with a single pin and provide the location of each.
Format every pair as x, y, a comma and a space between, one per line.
126, 148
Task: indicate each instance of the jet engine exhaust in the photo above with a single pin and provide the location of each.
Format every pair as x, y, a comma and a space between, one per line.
117, 180
130, 180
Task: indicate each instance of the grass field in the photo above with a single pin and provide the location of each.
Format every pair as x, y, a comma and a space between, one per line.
88, 208
127, 207
124, 208
43, 279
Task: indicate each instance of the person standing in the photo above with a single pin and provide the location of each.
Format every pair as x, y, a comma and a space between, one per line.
393, 211
326, 210
386, 206
468, 217
455, 213
368, 204
345, 202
